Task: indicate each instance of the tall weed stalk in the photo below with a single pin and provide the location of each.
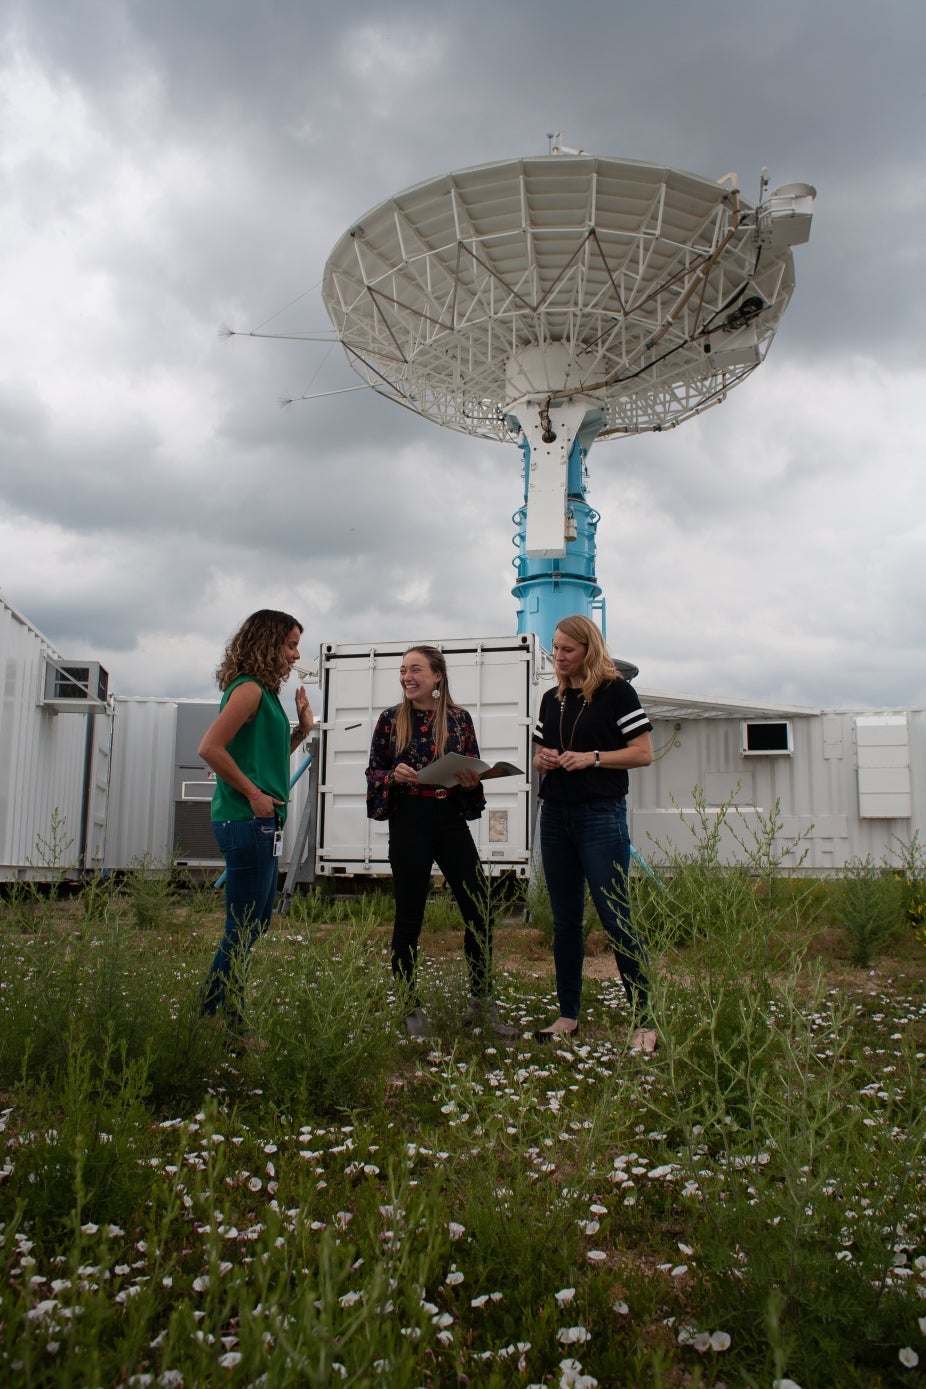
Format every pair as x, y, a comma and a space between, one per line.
330, 1025
776, 1130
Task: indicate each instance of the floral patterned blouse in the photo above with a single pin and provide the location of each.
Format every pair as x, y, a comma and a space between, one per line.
384, 758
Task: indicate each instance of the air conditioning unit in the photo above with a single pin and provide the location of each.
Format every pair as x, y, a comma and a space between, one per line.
79, 687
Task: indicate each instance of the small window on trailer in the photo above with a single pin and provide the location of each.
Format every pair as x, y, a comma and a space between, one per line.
766, 738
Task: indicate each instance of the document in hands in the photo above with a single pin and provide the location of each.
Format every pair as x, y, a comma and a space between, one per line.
443, 772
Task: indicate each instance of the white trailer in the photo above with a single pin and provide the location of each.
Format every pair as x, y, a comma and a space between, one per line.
159, 791
55, 735
160, 796
495, 678
91, 783
843, 784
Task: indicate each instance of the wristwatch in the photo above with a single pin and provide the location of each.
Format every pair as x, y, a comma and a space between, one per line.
597, 758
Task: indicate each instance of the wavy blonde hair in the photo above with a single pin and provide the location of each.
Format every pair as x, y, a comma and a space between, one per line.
444, 705
598, 668
256, 649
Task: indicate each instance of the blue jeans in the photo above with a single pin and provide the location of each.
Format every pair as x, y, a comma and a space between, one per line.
589, 843
251, 873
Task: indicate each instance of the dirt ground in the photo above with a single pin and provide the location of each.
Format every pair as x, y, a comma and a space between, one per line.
521, 949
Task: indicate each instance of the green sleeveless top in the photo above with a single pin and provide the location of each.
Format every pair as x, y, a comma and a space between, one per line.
261, 750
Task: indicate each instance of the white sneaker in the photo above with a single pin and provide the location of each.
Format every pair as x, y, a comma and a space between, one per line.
417, 1023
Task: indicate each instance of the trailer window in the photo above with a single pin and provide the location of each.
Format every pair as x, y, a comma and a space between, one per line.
766, 738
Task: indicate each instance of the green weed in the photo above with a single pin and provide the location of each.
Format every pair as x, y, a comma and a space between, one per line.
355, 1206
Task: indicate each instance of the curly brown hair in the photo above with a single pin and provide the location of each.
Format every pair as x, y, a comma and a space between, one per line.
256, 649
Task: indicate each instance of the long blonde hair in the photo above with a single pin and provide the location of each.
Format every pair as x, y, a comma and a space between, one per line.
598, 668
402, 727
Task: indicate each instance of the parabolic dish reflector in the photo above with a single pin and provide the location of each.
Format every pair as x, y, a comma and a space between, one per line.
650, 290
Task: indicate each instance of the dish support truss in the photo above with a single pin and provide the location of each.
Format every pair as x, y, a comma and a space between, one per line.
553, 300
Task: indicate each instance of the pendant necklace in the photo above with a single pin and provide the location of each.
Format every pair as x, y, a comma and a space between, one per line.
575, 723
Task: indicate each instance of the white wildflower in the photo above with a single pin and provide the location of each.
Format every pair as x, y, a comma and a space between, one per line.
572, 1335
573, 1378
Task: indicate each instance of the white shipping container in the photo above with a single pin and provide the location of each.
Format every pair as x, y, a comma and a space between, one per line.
161, 790
841, 785
53, 765
141, 789
494, 678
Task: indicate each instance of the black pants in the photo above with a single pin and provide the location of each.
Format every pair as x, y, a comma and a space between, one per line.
424, 831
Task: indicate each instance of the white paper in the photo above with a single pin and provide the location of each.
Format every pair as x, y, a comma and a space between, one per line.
443, 772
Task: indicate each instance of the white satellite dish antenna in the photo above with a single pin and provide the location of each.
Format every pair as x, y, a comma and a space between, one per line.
557, 299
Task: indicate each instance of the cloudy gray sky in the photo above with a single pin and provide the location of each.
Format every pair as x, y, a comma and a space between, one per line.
167, 167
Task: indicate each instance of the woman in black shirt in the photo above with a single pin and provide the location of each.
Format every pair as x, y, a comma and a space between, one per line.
590, 731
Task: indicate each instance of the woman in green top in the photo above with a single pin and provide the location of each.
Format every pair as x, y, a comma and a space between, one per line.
248, 746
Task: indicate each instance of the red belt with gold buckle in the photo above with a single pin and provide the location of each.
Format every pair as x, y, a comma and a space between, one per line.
437, 793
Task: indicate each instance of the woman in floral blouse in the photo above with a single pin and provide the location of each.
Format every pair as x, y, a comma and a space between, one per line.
427, 825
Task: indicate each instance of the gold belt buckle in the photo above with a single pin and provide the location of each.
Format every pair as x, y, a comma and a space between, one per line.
441, 793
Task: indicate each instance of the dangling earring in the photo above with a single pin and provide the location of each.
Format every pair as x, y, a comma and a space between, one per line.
435, 693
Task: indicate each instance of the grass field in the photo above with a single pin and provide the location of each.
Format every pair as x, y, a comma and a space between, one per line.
351, 1206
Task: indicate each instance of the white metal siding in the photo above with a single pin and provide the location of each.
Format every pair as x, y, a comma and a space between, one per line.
43, 762
883, 752
141, 785
815, 793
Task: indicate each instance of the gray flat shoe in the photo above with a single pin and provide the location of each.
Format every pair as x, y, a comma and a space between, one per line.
483, 1014
417, 1024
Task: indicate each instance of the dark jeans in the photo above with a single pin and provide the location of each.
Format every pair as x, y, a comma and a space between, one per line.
251, 873
424, 831
589, 843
